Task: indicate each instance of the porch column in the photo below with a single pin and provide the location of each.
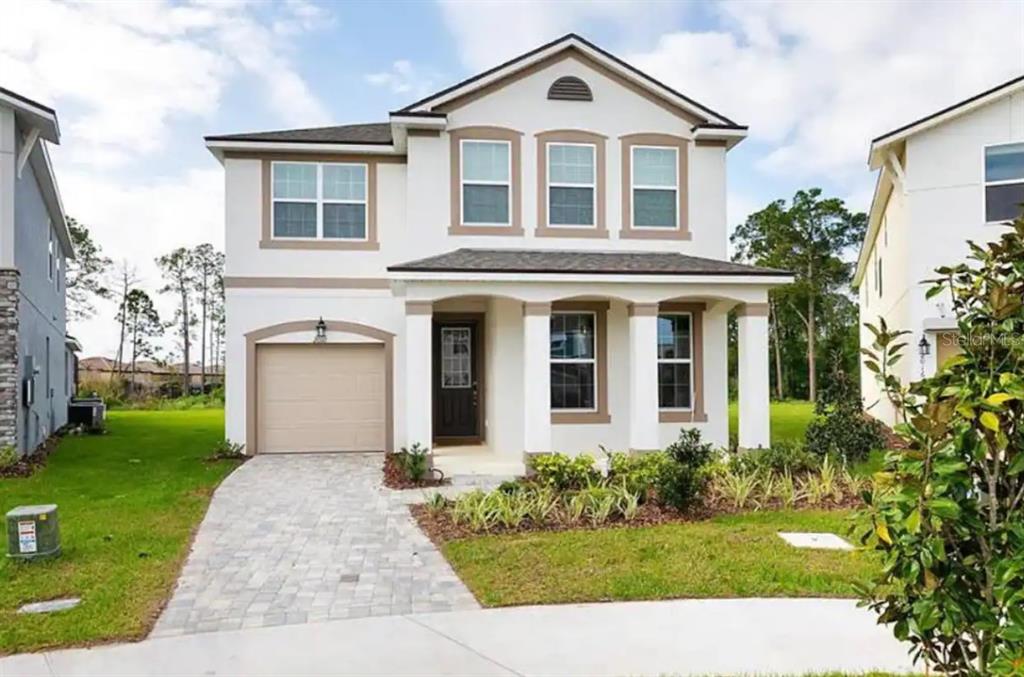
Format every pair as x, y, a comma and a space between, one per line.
643, 377
752, 319
419, 372
537, 377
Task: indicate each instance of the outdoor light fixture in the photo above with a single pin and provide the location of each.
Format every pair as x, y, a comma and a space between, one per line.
924, 348
321, 332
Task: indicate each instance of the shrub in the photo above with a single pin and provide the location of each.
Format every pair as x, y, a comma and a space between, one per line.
564, 472
637, 473
414, 461
781, 457
951, 530
8, 456
226, 450
682, 480
840, 427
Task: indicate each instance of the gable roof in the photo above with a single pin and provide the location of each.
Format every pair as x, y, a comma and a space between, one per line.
32, 114
880, 143
369, 133
520, 261
572, 41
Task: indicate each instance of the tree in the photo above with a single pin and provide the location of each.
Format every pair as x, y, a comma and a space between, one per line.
84, 274
809, 237
949, 521
179, 279
122, 283
143, 324
208, 268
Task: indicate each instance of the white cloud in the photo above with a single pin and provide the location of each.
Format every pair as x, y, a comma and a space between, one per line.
405, 78
817, 81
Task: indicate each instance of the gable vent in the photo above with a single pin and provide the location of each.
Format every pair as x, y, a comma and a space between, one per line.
570, 88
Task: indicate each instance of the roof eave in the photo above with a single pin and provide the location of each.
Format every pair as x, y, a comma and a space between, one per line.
772, 279
33, 115
219, 146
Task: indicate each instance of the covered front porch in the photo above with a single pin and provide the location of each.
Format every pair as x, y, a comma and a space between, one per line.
500, 368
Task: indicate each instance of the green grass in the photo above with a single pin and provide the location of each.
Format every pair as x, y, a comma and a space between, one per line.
128, 504
730, 556
789, 419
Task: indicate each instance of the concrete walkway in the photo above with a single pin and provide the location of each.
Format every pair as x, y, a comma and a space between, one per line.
723, 637
294, 539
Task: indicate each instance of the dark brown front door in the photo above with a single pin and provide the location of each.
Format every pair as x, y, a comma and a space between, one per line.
457, 380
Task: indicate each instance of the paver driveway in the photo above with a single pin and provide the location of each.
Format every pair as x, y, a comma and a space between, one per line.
306, 538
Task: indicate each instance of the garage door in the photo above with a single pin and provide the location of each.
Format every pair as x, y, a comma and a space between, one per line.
320, 397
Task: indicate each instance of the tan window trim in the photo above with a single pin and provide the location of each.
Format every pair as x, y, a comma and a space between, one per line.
681, 144
600, 227
513, 137
600, 310
697, 414
371, 243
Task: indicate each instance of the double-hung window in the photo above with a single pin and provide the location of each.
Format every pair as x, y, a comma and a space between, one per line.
675, 361
573, 361
50, 250
486, 182
319, 201
572, 187
1004, 182
655, 186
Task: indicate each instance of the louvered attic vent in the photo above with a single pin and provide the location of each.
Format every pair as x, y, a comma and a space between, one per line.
570, 88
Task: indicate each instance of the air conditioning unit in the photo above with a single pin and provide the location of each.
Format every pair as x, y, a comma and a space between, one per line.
33, 532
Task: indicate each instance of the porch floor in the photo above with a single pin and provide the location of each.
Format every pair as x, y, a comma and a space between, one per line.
466, 463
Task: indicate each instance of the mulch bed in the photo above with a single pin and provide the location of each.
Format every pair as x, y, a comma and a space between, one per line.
440, 528
27, 465
395, 477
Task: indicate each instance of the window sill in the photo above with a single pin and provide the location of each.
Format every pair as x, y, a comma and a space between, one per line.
580, 417
572, 231
654, 234
350, 245
472, 229
669, 416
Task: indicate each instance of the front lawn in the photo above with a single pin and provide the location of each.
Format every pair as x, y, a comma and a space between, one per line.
128, 504
789, 419
729, 556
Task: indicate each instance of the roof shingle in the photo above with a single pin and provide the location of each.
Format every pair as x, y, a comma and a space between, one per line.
577, 262
377, 133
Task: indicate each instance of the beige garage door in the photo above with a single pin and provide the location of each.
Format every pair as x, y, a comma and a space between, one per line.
320, 397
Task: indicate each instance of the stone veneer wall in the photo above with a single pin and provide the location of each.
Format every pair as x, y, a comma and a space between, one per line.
10, 403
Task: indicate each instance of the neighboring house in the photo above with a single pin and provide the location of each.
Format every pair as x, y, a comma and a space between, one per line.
150, 376
36, 354
533, 259
953, 176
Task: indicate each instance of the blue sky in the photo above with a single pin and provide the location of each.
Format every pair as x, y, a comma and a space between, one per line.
137, 85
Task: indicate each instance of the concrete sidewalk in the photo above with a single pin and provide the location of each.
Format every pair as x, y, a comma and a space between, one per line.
724, 637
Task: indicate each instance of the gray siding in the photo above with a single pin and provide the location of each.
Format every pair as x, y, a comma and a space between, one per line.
41, 314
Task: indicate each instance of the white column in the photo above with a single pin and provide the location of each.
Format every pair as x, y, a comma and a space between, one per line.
643, 377
537, 377
755, 425
419, 411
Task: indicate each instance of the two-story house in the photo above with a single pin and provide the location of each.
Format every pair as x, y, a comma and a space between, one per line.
36, 359
950, 177
531, 260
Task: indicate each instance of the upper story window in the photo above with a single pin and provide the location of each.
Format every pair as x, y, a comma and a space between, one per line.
57, 275
486, 182
572, 187
573, 361
1004, 182
50, 250
675, 361
878, 274
655, 187
319, 201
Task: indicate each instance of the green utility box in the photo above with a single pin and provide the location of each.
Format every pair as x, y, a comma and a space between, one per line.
33, 532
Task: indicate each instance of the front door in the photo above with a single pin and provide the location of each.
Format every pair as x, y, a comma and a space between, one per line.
457, 380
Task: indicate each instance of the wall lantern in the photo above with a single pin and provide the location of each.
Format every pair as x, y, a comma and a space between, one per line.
321, 332
924, 348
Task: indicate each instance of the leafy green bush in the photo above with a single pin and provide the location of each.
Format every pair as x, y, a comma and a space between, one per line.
682, 480
414, 462
781, 457
541, 505
840, 427
638, 473
8, 456
565, 472
226, 450
951, 529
